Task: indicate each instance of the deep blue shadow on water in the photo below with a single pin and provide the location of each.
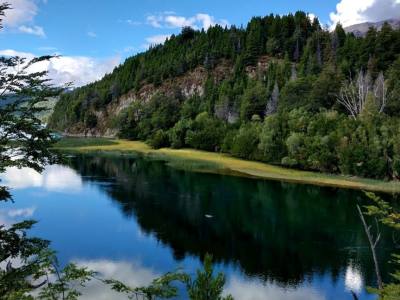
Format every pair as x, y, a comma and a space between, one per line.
135, 219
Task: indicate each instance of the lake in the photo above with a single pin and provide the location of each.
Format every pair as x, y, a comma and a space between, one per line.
134, 219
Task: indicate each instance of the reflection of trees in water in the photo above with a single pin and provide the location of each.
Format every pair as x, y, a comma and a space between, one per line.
278, 231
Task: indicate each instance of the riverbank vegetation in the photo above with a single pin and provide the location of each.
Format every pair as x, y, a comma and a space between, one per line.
203, 161
292, 94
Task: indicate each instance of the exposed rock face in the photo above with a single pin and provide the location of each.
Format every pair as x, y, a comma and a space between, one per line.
361, 29
272, 105
188, 85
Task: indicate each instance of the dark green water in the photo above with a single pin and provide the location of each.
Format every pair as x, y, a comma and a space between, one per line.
273, 240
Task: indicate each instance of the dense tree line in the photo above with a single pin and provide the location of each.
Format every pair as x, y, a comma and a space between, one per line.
326, 101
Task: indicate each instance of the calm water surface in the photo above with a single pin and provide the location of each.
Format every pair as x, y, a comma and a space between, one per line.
134, 219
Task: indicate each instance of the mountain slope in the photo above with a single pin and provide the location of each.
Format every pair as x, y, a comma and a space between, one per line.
265, 92
362, 29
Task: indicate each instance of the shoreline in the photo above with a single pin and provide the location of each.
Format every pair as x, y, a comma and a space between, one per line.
228, 165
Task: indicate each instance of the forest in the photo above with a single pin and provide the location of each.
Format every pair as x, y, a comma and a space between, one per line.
326, 101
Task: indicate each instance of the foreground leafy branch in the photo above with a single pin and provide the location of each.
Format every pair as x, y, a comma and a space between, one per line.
161, 287
373, 242
389, 216
205, 286
28, 267
32, 266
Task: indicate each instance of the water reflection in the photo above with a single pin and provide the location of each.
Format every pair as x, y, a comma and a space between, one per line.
133, 274
134, 219
281, 232
353, 278
10, 216
255, 290
53, 178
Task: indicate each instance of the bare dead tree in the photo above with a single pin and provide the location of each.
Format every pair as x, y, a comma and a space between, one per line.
380, 92
373, 242
353, 95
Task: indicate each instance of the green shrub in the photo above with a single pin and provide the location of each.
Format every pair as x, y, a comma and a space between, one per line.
207, 133
245, 143
177, 134
159, 139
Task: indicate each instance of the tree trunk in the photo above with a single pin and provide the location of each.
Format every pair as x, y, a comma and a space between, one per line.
372, 244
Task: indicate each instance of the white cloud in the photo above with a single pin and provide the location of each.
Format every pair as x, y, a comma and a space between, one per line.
22, 178
61, 178
154, 21
53, 178
11, 216
132, 274
353, 278
178, 21
251, 290
171, 20
79, 70
350, 12
312, 16
22, 12
11, 52
132, 22
157, 39
21, 17
206, 20
35, 30
21, 212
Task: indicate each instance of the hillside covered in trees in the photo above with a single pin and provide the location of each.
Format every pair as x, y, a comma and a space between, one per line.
282, 90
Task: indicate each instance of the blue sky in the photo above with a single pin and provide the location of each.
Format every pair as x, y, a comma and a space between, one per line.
105, 32
103, 28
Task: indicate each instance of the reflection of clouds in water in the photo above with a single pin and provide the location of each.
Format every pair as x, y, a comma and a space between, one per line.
132, 274
53, 178
353, 278
22, 212
21, 178
10, 216
251, 290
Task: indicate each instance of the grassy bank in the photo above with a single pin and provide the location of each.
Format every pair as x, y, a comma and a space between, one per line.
220, 163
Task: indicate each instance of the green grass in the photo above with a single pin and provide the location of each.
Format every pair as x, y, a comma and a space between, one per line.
75, 142
211, 162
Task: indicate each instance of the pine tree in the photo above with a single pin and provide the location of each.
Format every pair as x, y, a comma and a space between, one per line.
254, 41
393, 107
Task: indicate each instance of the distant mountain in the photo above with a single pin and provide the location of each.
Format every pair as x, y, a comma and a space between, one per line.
44, 115
362, 29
